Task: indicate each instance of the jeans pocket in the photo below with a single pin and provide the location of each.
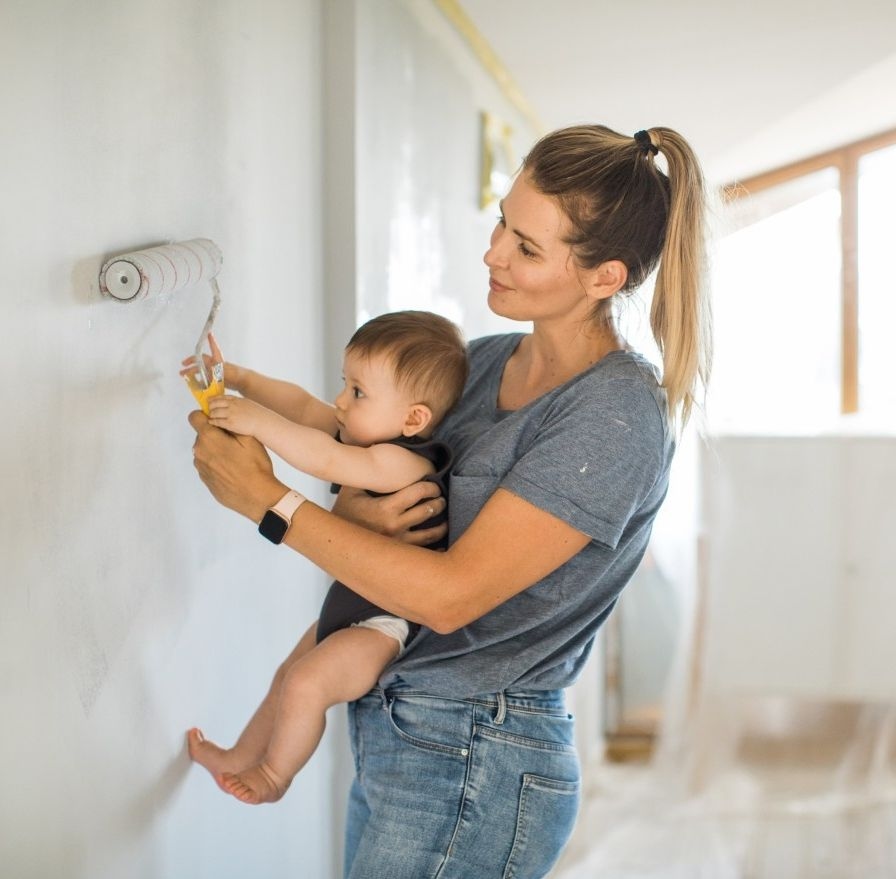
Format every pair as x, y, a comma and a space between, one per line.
417, 721
546, 814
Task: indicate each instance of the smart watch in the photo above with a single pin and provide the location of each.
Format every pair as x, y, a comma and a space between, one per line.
276, 521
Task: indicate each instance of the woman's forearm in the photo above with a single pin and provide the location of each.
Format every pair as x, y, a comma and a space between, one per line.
510, 545
409, 581
237, 471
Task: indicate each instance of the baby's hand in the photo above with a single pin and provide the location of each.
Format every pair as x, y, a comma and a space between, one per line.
236, 414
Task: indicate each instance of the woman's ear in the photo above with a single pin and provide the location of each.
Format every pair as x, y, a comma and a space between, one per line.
419, 417
606, 280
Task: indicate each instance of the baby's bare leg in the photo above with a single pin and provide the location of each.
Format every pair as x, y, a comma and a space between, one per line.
343, 667
254, 739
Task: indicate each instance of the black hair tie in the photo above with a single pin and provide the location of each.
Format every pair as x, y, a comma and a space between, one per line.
642, 138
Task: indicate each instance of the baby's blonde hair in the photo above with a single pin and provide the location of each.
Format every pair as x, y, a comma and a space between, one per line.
427, 353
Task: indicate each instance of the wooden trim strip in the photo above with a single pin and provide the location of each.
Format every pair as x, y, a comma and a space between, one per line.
828, 159
455, 13
849, 242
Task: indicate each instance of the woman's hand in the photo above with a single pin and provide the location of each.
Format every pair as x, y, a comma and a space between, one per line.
236, 469
395, 514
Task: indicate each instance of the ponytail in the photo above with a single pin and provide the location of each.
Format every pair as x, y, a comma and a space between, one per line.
680, 315
621, 206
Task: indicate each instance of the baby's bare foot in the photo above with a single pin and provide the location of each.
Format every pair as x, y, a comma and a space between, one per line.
258, 784
215, 759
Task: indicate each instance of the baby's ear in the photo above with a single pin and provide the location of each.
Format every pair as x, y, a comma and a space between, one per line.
419, 417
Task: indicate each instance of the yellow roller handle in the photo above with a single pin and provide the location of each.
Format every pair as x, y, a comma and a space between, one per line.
203, 395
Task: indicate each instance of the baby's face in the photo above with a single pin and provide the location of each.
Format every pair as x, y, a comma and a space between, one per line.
370, 408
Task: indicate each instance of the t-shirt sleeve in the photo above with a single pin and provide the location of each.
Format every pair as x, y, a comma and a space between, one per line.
594, 458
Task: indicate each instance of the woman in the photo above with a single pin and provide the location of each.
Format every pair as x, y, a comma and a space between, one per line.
563, 441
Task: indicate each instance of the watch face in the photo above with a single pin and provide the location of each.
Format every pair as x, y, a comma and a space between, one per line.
273, 527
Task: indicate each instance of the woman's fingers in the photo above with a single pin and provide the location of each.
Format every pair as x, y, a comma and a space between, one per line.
198, 422
395, 514
236, 469
425, 536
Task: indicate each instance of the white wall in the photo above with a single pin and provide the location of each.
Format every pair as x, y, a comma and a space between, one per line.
132, 606
421, 232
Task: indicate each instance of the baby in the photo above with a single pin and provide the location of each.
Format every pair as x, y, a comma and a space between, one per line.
403, 372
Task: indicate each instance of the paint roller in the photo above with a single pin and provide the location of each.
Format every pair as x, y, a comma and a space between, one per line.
158, 271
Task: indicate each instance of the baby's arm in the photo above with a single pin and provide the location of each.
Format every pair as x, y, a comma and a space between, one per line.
383, 467
289, 400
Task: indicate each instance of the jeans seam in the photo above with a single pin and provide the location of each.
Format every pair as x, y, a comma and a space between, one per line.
356, 738
520, 838
468, 754
487, 703
525, 741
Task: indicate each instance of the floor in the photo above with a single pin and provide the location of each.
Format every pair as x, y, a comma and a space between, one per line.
773, 807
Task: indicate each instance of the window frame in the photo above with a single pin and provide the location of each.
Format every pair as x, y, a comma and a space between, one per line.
846, 160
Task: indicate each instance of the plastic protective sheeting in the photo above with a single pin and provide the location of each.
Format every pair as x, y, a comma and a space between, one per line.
777, 753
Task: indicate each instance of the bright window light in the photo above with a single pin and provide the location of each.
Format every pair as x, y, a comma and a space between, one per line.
776, 300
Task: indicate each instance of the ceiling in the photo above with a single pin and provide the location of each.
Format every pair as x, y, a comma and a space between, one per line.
751, 85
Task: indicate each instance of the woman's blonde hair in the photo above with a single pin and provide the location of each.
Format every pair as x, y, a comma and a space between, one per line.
623, 207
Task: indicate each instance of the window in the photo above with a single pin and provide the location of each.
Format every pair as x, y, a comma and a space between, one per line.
877, 287
804, 297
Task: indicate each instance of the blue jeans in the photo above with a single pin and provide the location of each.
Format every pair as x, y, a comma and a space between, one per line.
485, 788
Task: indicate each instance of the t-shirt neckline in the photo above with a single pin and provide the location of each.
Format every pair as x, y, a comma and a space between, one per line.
514, 340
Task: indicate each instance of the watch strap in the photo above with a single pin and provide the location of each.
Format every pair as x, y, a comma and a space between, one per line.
276, 520
288, 504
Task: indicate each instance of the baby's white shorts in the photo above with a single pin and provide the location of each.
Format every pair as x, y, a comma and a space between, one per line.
394, 627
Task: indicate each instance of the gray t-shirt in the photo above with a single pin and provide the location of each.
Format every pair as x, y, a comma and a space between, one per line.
594, 452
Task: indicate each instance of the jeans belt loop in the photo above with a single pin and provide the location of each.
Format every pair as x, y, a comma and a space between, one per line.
501, 713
